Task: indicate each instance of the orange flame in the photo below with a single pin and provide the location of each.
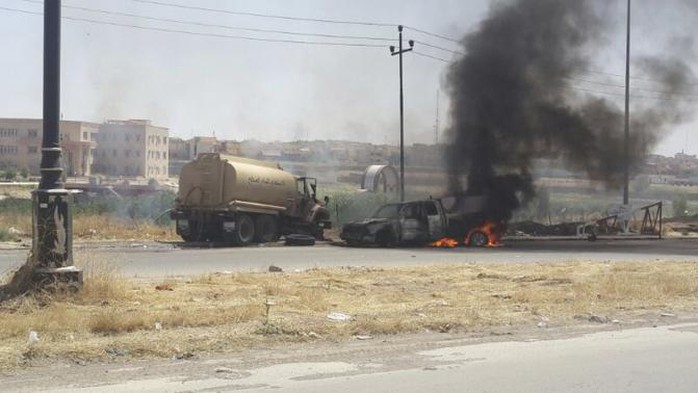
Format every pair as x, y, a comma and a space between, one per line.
492, 230
445, 242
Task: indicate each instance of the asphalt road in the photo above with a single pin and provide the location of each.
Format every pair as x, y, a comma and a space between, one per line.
161, 260
661, 359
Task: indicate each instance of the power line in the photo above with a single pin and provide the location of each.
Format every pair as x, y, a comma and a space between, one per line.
692, 95
440, 48
632, 77
443, 37
430, 56
294, 18
260, 15
191, 23
194, 33
632, 95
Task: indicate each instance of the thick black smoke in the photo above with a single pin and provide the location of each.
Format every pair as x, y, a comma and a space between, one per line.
515, 98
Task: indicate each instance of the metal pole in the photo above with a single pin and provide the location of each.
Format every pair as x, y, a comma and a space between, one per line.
399, 52
626, 174
402, 124
52, 247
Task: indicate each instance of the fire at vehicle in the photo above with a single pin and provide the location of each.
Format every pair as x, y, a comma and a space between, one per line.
444, 222
241, 201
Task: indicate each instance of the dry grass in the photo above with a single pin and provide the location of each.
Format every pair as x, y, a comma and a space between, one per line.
113, 318
99, 227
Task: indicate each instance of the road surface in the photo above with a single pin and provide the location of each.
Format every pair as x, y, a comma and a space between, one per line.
162, 260
661, 359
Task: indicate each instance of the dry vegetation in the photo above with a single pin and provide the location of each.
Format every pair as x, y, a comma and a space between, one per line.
114, 319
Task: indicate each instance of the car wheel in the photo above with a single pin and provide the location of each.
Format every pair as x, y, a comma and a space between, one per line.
478, 239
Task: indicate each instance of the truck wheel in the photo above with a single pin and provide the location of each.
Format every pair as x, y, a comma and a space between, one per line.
478, 239
244, 230
266, 229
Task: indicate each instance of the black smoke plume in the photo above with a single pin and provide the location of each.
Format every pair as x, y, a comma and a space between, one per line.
515, 98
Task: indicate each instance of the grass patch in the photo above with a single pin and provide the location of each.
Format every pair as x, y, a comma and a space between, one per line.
113, 318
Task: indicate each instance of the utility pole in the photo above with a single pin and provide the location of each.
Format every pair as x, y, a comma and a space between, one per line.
626, 147
399, 53
52, 222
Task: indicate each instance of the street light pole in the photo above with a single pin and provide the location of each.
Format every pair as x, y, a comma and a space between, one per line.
399, 53
626, 148
52, 224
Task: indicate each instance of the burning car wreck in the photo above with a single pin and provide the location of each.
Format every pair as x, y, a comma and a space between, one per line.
439, 222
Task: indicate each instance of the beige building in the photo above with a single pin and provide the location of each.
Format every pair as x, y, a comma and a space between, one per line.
132, 148
20, 145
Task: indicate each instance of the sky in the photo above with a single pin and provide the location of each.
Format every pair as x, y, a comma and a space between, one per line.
195, 79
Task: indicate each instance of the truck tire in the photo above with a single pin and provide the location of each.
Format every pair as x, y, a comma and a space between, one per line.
266, 229
195, 231
300, 240
244, 230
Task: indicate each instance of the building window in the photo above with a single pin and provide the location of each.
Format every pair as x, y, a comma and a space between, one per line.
127, 153
113, 153
8, 150
32, 133
32, 149
85, 135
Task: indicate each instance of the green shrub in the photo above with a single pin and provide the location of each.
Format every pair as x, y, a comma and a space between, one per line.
5, 235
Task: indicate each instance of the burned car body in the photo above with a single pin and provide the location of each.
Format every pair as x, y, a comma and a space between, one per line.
399, 223
418, 222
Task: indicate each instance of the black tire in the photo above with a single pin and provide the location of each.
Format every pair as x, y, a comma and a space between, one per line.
266, 229
195, 232
244, 231
300, 240
478, 239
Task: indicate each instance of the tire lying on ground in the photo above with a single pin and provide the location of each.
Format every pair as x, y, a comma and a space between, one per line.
300, 240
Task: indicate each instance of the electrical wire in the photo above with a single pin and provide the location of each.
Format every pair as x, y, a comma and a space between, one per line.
194, 33
439, 48
443, 37
631, 95
294, 18
260, 15
692, 95
199, 24
430, 56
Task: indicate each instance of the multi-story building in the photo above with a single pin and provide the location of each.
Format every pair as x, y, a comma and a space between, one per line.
132, 148
20, 145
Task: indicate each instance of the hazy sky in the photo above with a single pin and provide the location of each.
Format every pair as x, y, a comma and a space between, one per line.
242, 89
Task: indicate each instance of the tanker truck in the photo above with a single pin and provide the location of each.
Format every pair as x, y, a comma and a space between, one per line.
239, 201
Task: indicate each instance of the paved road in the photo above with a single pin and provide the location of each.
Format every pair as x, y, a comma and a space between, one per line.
662, 359
160, 260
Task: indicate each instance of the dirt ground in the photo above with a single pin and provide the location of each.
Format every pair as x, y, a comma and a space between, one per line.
114, 320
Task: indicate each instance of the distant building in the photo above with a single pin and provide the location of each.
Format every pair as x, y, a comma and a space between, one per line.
132, 148
20, 145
